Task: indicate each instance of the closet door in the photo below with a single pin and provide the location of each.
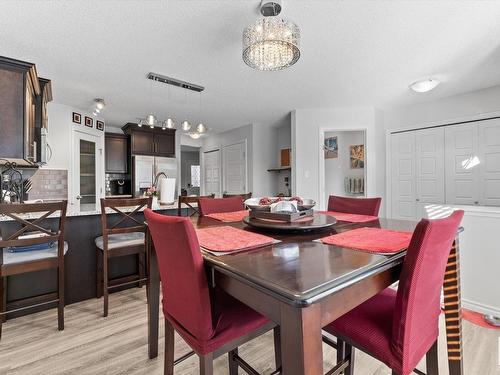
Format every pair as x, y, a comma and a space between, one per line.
489, 167
429, 145
403, 176
462, 164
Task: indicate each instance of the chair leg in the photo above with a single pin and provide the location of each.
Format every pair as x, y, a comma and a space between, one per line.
3, 301
349, 353
142, 267
169, 349
207, 364
233, 364
105, 260
277, 347
431, 360
60, 290
340, 350
98, 273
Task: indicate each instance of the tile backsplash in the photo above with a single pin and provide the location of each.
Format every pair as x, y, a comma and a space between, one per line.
49, 184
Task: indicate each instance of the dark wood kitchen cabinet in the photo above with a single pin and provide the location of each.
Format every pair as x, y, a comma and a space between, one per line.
147, 141
116, 153
19, 90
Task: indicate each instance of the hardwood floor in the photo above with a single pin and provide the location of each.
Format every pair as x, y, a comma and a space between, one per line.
91, 344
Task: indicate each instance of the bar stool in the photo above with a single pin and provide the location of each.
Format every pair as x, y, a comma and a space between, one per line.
188, 200
34, 246
119, 240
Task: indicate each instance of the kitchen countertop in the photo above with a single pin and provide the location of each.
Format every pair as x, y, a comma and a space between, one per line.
69, 213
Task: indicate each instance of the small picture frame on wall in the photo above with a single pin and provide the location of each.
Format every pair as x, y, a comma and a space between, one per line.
99, 125
89, 121
77, 118
357, 156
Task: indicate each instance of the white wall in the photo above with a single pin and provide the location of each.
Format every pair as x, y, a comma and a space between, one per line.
309, 124
60, 139
478, 243
265, 156
336, 169
473, 104
284, 141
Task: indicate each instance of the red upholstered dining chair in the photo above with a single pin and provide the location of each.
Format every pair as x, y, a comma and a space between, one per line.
211, 322
219, 205
358, 206
399, 328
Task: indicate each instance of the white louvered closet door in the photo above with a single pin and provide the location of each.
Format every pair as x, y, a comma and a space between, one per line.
403, 176
462, 164
429, 155
489, 167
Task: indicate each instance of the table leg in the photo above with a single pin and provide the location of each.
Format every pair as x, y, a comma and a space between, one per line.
452, 310
153, 303
301, 343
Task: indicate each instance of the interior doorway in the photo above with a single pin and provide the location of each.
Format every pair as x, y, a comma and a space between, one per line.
190, 170
344, 164
235, 168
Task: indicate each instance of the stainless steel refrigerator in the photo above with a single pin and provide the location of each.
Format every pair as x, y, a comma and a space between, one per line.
146, 168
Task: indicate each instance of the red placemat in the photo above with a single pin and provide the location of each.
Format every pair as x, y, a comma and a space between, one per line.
227, 239
352, 218
229, 217
374, 240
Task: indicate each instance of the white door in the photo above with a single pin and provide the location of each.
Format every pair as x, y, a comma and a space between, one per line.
429, 146
462, 164
489, 158
211, 172
403, 200
235, 168
87, 172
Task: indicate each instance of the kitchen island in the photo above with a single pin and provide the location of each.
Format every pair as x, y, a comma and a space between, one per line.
80, 261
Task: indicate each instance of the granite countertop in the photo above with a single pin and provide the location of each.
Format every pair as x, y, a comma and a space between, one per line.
69, 213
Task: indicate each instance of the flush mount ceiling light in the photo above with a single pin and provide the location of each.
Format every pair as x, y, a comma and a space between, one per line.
99, 105
425, 85
271, 43
195, 135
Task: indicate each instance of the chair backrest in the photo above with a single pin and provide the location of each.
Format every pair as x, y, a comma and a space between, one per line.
188, 200
243, 196
416, 316
127, 222
218, 205
359, 206
37, 226
185, 290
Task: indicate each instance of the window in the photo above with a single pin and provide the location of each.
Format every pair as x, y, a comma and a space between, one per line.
195, 176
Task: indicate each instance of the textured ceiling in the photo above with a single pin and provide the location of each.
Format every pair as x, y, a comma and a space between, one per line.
354, 53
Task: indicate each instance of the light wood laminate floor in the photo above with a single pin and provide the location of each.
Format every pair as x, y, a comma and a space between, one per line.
91, 344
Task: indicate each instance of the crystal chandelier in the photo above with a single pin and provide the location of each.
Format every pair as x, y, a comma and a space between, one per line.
271, 43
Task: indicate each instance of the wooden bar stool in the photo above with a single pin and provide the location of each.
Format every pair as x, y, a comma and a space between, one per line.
34, 246
188, 200
119, 240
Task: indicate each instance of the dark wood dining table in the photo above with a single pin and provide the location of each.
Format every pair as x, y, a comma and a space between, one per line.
302, 285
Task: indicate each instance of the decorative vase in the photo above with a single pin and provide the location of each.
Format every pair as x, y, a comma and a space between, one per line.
154, 203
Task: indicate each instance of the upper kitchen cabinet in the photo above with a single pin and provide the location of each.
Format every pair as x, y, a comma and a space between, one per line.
19, 90
147, 141
116, 146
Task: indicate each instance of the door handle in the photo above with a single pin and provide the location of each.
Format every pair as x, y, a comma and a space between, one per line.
78, 197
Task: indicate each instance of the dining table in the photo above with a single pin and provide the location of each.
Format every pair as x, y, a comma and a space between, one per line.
302, 285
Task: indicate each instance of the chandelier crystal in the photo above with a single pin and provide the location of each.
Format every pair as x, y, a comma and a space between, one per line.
271, 43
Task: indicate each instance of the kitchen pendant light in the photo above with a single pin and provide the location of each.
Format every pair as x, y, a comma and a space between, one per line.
201, 128
186, 126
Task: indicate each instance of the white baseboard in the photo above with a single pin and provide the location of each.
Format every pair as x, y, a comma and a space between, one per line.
481, 308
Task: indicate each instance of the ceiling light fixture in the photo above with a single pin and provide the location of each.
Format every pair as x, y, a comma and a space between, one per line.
99, 105
271, 43
186, 126
195, 135
425, 85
